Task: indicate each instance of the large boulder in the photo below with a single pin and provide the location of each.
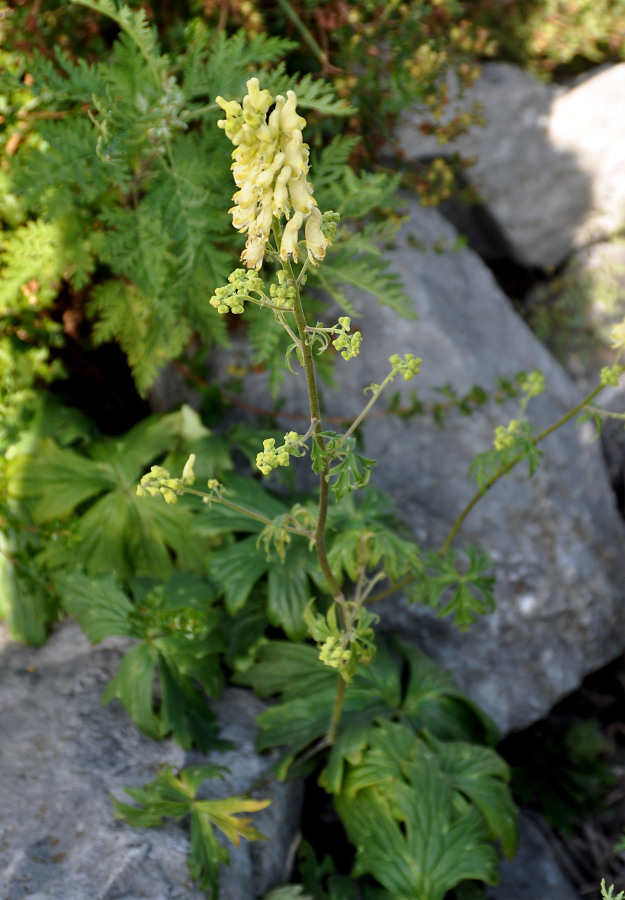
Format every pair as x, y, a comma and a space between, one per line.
557, 540
550, 163
63, 753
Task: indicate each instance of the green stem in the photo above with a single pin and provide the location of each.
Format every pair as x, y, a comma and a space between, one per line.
339, 699
398, 585
324, 488
247, 512
363, 413
307, 37
495, 478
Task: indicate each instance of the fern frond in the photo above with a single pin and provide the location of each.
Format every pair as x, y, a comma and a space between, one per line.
75, 82
357, 195
369, 274
66, 172
136, 247
311, 94
267, 340
135, 24
181, 197
330, 163
148, 335
29, 255
222, 67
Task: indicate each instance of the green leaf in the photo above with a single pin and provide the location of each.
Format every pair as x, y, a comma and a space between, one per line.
173, 796
237, 569
101, 608
464, 590
133, 686
481, 776
410, 836
61, 479
184, 711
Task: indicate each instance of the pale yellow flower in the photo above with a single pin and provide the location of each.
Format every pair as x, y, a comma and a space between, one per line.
617, 333
270, 165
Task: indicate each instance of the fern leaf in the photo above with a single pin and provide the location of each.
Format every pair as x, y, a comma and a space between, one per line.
49, 178
227, 65
369, 274
76, 82
135, 24
147, 337
311, 93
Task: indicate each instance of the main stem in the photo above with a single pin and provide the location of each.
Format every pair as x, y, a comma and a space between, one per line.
324, 488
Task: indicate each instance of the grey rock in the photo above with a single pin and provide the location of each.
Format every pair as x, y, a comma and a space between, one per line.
534, 873
62, 753
550, 164
557, 540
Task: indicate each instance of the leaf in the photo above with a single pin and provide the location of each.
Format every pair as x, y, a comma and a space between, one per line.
237, 569
481, 775
368, 274
100, 607
306, 691
133, 686
411, 838
25, 601
465, 593
61, 479
173, 796
184, 712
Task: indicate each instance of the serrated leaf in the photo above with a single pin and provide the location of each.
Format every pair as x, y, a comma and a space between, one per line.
100, 607
184, 712
412, 839
61, 479
133, 686
481, 775
173, 796
237, 569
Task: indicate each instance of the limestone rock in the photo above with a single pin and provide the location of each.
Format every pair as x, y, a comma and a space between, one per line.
550, 162
534, 873
557, 540
63, 752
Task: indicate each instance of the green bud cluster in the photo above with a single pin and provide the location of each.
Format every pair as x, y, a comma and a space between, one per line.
409, 366
271, 456
334, 651
610, 375
329, 221
506, 436
348, 344
283, 293
231, 297
533, 384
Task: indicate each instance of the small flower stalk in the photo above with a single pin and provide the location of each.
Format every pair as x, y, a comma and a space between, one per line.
270, 168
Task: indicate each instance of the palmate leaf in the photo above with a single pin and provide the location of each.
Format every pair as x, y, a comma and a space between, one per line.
412, 838
422, 696
178, 641
369, 527
482, 776
476, 774
59, 479
464, 592
173, 796
120, 532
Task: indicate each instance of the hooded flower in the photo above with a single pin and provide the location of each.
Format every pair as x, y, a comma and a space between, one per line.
270, 167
